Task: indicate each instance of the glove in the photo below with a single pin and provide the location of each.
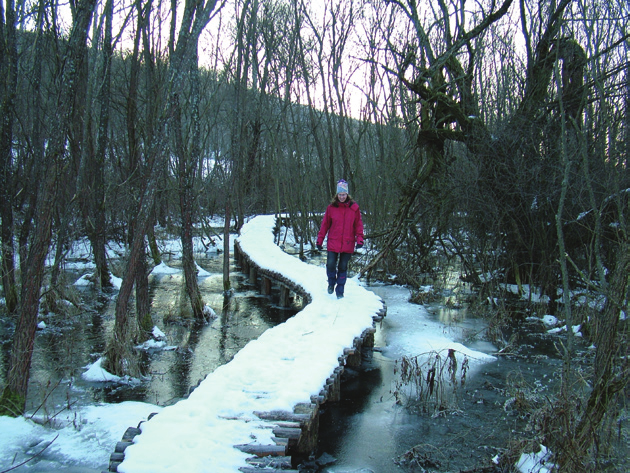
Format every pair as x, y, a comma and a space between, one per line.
359, 245
320, 247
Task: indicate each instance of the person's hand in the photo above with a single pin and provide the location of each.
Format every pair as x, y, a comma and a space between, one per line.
320, 247
359, 245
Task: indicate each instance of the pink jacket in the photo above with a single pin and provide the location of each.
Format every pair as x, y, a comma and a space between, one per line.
344, 227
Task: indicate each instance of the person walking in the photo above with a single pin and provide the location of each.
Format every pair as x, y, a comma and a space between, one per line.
342, 222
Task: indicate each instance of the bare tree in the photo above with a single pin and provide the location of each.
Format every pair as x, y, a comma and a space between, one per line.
143, 12
181, 72
184, 73
321, 38
14, 394
92, 186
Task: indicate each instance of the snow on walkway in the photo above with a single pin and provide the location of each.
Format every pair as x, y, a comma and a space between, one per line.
285, 366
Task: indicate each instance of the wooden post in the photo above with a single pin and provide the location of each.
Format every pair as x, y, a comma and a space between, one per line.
284, 296
307, 443
368, 337
265, 285
354, 355
252, 274
335, 393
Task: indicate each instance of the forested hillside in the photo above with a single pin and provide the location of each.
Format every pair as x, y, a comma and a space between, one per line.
493, 134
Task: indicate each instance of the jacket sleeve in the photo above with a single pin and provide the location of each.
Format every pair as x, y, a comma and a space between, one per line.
358, 227
326, 221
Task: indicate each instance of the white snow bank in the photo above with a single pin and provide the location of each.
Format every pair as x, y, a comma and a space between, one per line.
158, 342
83, 280
202, 273
162, 268
82, 437
97, 374
417, 334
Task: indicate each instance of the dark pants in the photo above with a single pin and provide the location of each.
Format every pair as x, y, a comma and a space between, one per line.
337, 270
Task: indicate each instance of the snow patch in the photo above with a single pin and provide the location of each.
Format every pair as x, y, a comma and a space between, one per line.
536, 462
162, 268
550, 320
97, 374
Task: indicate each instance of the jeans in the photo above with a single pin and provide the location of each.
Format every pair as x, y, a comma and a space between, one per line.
337, 270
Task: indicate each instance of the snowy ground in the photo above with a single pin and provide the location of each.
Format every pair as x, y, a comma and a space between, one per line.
284, 366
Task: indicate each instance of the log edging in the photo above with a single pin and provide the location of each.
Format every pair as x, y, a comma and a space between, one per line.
255, 272
117, 457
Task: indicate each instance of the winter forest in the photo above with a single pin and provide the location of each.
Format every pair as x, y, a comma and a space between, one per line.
488, 136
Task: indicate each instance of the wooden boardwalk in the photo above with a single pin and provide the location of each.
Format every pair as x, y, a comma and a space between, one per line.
293, 432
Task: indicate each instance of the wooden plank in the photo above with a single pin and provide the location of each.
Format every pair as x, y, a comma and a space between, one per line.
270, 462
302, 425
113, 466
288, 425
287, 432
284, 416
253, 469
130, 433
317, 400
263, 450
121, 446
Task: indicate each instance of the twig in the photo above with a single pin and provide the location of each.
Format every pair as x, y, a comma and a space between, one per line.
62, 409
45, 398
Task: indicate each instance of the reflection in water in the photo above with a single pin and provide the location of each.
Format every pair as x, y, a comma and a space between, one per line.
225, 317
67, 345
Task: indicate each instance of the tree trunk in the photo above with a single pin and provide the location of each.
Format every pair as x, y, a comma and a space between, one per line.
188, 260
14, 396
30, 186
96, 222
155, 250
143, 301
53, 294
606, 382
117, 361
226, 248
186, 173
184, 71
8, 77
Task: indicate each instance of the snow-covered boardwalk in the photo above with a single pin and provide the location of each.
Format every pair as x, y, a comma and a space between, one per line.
286, 367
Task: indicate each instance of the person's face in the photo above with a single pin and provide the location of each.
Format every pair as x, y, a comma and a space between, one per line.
342, 196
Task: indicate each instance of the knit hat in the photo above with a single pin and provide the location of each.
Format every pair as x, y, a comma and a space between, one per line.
342, 186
